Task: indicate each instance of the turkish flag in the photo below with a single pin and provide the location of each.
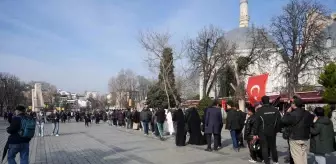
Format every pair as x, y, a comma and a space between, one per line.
224, 104
256, 87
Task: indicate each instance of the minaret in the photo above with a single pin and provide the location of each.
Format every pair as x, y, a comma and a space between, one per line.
244, 17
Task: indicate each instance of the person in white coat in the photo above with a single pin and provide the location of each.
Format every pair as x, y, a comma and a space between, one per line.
333, 119
170, 122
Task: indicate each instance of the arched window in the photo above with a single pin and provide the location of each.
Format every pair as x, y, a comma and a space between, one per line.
329, 42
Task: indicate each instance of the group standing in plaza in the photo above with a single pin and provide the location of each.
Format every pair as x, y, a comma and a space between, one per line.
258, 127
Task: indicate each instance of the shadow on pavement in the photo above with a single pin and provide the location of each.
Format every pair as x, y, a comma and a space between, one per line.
95, 156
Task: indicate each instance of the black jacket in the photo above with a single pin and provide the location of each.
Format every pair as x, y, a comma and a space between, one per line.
242, 119
233, 120
248, 131
146, 115
13, 131
268, 121
55, 117
129, 115
322, 137
299, 121
160, 116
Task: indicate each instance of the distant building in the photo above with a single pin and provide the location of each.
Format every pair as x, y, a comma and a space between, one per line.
37, 98
94, 94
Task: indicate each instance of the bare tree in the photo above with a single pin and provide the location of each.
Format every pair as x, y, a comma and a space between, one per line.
155, 44
11, 91
259, 48
188, 86
300, 40
143, 86
124, 85
208, 53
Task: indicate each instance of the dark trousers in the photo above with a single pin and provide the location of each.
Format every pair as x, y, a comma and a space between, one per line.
254, 154
145, 126
220, 136
241, 139
152, 127
209, 139
268, 143
234, 136
86, 123
129, 124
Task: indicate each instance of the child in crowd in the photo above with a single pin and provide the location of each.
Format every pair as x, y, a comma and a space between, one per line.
248, 135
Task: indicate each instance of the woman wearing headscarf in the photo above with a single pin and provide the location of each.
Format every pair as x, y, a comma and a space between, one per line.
194, 127
180, 136
170, 122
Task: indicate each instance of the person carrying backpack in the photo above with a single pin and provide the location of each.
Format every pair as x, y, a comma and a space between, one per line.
21, 131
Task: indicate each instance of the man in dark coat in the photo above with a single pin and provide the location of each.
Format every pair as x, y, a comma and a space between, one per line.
160, 119
114, 117
121, 118
267, 125
299, 120
145, 117
129, 121
17, 143
180, 136
233, 123
213, 121
322, 136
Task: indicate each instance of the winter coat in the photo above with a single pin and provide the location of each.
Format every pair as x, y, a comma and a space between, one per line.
248, 131
160, 116
13, 131
299, 121
233, 120
333, 119
322, 136
268, 121
213, 121
146, 115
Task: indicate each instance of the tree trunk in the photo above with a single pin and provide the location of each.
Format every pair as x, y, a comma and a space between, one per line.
177, 103
240, 93
204, 88
166, 90
292, 83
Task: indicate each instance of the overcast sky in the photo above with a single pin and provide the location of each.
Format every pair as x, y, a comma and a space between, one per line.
78, 45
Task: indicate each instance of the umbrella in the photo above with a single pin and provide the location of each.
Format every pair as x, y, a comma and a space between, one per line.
4, 151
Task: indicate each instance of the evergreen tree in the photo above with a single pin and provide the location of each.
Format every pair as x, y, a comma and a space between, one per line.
328, 80
167, 75
157, 94
226, 76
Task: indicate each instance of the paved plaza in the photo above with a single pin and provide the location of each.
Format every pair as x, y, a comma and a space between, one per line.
103, 144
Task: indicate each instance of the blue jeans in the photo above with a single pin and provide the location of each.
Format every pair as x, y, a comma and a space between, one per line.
145, 126
234, 137
23, 149
160, 128
55, 127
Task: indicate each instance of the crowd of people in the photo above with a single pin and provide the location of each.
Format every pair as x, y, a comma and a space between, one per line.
258, 128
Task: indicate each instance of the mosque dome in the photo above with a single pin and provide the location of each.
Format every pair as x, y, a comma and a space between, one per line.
242, 37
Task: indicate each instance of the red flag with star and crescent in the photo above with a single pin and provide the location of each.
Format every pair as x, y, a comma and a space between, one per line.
256, 87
